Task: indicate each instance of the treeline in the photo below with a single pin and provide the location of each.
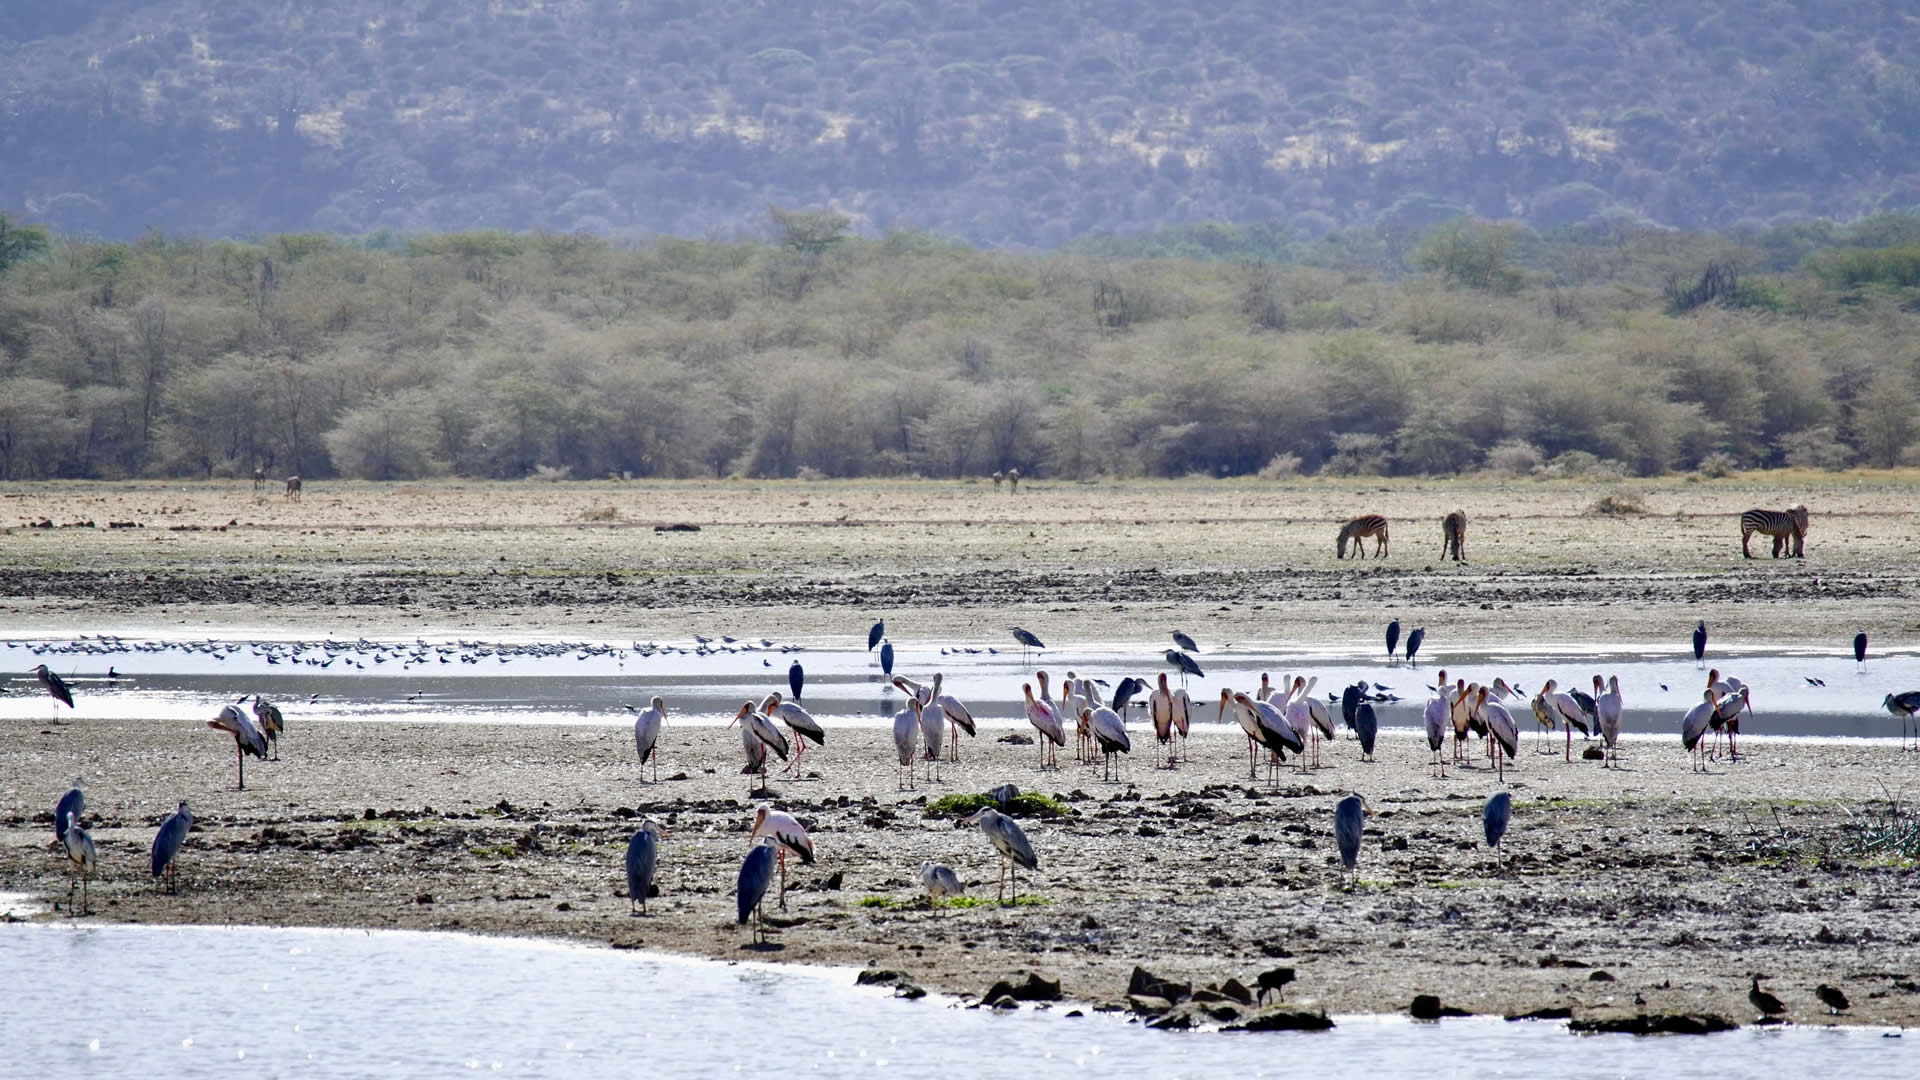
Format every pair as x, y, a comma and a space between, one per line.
1380, 351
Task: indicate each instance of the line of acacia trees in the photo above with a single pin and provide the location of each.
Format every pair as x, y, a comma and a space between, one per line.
1471, 346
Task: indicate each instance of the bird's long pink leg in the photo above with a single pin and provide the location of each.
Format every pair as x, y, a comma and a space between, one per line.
240, 761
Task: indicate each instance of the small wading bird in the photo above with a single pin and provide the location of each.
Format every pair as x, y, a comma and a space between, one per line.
166, 845
80, 851
906, 737
647, 723
72, 804
787, 835
246, 738
1349, 823
798, 720
1046, 720
940, 882
272, 724
1004, 834
643, 853
1494, 817
1902, 705
56, 686
756, 873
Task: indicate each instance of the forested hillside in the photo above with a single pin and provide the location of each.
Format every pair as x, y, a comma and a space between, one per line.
1588, 352
1002, 122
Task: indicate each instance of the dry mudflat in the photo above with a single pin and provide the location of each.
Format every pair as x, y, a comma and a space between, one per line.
1647, 889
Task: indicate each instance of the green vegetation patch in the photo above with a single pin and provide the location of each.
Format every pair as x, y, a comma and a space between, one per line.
1027, 804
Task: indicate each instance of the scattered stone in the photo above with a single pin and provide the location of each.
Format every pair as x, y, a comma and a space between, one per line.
1014, 738
880, 977
1428, 1007
678, 526
1088, 922
1593, 753
1600, 976
1235, 990
1145, 984
424, 898
909, 991
1036, 987
1148, 1004
1654, 1024
834, 881
1555, 1012
1280, 1018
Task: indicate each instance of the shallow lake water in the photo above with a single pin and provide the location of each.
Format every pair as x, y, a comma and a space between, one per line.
551, 682
246, 1002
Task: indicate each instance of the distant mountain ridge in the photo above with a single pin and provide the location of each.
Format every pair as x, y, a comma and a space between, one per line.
1001, 122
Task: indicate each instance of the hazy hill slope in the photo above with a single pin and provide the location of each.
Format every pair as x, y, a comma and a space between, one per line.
1002, 121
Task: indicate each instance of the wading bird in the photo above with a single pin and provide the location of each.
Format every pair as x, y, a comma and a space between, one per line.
1860, 650
1239, 708
1160, 712
1902, 705
798, 720
787, 835
56, 686
1272, 730
246, 738
1045, 720
796, 678
1110, 734
757, 736
267, 715
756, 874
1563, 710
1700, 643
1500, 726
1494, 817
1833, 998
940, 882
1187, 665
886, 658
647, 723
1726, 714
1693, 730
1321, 717
1184, 642
1393, 637
956, 713
1367, 725
167, 842
1004, 834
1349, 823
1413, 644
906, 737
1607, 709
1769, 1006
80, 851
875, 633
643, 853
1028, 641
72, 804
933, 729
1182, 720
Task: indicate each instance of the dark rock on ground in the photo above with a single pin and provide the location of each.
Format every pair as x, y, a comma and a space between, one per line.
1280, 1018
1555, 1012
1147, 984
1654, 1024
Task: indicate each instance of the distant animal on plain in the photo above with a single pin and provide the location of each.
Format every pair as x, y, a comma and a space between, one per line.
1453, 536
293, 487
1357, 531
997, 477
1787, 527
1013, 481
259, 479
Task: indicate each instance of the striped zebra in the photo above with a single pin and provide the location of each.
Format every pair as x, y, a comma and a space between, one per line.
1453, 536
1357, 531
1785, 526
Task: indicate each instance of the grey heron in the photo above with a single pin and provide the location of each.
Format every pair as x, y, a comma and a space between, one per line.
958, 717
643, 854
167, 842
1903, 705
72, 804
1368, 727
1110, 734
1413, 644
1349, 823
272, 724
1187, 665
756, 874
796, 678
1769, 1006
1860, 650
1185, 642
1004, 834
1045, 720
1494, 817
1393, 637
940, 882
798, 720
80, 851
1700, 643
647, 723
246, 738
1693, 729
1350, 704
55, 686
906, 737
1028, 640
886, 658
787, 835
875, 633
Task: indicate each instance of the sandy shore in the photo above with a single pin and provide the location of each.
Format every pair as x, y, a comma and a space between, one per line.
1674, 884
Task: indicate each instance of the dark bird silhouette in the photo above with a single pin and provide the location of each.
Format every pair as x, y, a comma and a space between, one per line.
1495, 816
1860, 648
874, 635
1903, 705
643, 854
1768, 1005
796, 678
1368, 726
1123, 694
1187, 664
55, 685
72, 804
1413, 642
1700, 641
1349, 822
1393, 637
756, 874
1350, 704
1832, 997
1185, 642
1028, 640
886, 658
166, 845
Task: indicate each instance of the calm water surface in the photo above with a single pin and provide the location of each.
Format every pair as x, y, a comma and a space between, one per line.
128, 1001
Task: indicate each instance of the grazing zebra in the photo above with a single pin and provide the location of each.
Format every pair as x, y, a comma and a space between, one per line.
1453, 536
1357, 531
293, 487
1785, 526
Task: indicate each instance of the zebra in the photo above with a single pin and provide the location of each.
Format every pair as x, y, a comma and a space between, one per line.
1357, 531
1453, 535
293, 487
1787, 527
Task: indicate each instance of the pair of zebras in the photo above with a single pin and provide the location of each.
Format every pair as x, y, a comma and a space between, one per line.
1453, 536
1788, 528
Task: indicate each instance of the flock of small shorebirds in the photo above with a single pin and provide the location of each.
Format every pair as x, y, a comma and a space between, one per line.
1278, 718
